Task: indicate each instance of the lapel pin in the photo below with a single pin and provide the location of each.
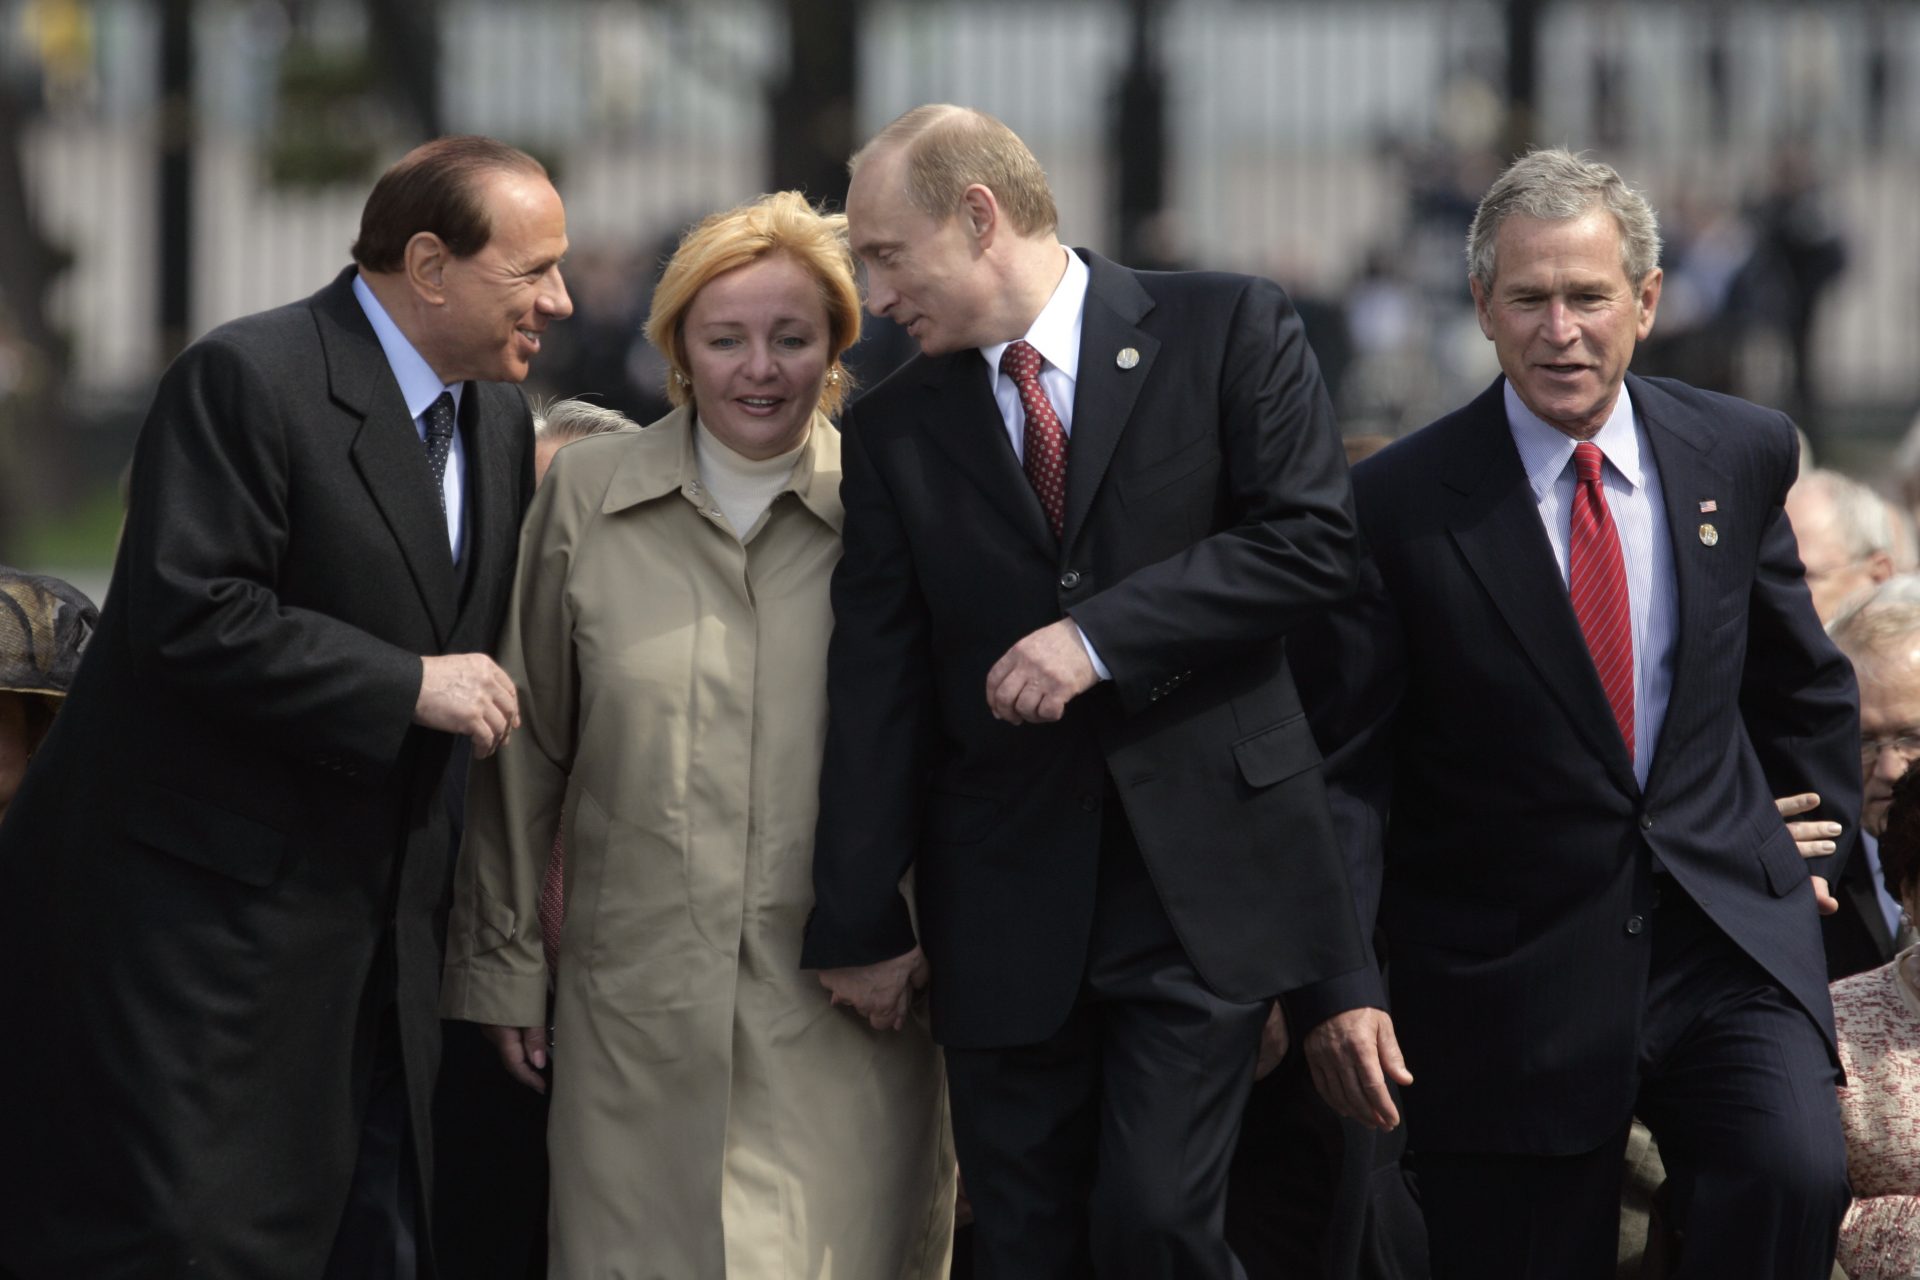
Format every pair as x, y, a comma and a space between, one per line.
1709, 536
1127, 358
1708, 507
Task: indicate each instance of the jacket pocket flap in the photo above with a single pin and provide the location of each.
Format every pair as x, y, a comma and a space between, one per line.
205, 835
1780, 859
1277, 753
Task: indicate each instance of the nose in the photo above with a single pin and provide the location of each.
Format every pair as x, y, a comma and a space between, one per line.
554, 300
880, 298
1890, 765
1557, 324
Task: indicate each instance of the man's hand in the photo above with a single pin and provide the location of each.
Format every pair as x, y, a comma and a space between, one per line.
523, 1051
1816, 839
1036, 679
1273, 1043
468, 693
1352, 1055
881, 993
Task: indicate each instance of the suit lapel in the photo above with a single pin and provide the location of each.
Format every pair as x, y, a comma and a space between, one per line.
487, 477
1104, 392
1497, 528
386, 449
1682, 445
965, 423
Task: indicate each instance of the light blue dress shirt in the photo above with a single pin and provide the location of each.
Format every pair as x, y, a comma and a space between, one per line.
1631, 481
1889, 905
420, 386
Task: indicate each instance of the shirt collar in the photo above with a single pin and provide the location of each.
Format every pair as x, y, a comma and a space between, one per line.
420, 386
1056, 330
1545, 449
661, 460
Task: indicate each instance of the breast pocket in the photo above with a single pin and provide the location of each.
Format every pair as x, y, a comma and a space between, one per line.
1191, 464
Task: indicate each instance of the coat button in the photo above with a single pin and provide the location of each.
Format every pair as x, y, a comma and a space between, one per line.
1636, 925
1070, 579
1646, 822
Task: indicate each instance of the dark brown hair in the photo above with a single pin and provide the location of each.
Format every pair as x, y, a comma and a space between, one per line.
435, 187
1900, 846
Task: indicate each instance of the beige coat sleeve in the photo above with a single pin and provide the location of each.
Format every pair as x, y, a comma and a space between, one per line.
495, 970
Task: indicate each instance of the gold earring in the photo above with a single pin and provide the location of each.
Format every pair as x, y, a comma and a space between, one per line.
833, 377
679, 378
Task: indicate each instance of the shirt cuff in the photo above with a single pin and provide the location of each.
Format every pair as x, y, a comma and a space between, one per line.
1099, 667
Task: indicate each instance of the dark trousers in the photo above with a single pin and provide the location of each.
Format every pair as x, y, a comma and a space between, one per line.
1738, 1088
379, 1233
1105, 1148
490, 1164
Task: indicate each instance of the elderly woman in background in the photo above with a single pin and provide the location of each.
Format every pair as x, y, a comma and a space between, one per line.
44, 625
712, 1113
1877, 1017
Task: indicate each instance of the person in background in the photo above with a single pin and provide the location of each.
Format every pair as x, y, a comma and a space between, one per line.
1881, 637
1846, 538
237, 834
44, 627
490, 1198
1877, 1017
712, 1113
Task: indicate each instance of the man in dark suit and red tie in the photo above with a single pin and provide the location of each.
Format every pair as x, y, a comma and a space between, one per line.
1582, 663
227, 861
1079, 529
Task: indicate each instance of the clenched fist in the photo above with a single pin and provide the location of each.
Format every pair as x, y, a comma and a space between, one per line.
468, 693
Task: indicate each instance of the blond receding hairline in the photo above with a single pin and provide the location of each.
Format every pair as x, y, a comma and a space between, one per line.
946, 149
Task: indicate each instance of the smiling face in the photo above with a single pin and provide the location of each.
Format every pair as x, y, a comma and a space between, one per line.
757, 352
1563, 317
926, 274
496, 304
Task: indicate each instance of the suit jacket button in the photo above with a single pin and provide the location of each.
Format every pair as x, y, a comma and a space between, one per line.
1070, 579
1636, 925
1646, 822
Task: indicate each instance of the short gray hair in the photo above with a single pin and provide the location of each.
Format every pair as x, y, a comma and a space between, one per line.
1862, 520
565, 420
1888, 615
1555, 184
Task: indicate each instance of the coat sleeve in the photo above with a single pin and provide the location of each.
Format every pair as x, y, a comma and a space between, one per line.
1289, 549
879, 693
207, 528
1797, 692
496, 971
1351, 668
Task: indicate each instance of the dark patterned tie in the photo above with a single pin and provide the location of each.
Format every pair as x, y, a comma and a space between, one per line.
439, 416
1598, 579
1043, 445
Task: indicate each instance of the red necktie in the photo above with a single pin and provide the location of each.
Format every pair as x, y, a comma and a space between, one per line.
1598, 580
1043, 446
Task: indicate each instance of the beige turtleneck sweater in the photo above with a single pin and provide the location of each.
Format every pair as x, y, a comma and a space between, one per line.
743, 488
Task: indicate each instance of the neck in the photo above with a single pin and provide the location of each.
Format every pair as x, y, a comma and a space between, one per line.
1035, 272
403, 307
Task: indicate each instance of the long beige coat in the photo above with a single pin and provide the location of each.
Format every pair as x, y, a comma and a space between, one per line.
712, 1114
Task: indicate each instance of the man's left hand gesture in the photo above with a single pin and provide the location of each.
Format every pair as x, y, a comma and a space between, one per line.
1814, 839
1034, 680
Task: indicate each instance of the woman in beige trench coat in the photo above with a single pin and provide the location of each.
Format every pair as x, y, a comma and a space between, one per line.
712, 1114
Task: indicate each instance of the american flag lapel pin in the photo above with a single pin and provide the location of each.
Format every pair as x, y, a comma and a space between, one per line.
1709, 506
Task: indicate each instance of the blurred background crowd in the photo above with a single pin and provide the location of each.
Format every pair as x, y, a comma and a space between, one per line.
166, 165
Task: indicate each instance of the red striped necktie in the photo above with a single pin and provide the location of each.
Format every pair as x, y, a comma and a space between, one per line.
1597, 578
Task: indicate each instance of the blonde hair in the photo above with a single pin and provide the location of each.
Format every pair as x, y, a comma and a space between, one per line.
781, 223
949, 149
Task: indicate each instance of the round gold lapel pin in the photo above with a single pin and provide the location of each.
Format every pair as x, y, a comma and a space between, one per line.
1709, 536
1127, 358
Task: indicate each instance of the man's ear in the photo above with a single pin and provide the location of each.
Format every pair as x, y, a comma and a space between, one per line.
981, 212
426, 266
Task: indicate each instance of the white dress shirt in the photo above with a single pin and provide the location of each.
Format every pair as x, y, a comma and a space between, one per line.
420, 386
1055, 334
1631, 481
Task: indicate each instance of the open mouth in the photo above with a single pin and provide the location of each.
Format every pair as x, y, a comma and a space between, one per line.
759, 405
530, 337
1562, 370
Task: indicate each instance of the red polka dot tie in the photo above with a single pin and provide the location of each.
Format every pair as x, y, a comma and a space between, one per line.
1043, 445
1597, 578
